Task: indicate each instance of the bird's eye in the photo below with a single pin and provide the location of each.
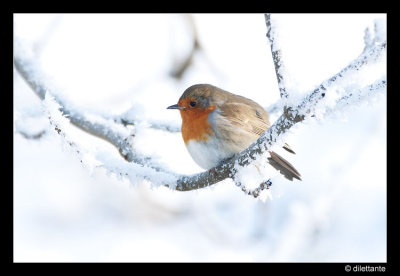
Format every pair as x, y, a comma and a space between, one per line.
192, 104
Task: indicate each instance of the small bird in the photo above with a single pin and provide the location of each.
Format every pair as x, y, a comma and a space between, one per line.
217, 124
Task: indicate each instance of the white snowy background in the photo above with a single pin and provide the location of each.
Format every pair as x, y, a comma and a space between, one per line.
65, 211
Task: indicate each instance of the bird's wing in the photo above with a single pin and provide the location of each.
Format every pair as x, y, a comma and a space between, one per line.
248, 116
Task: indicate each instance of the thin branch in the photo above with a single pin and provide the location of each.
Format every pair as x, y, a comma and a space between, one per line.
277, 57
372, 37
265, 185
368, 40
359, 95
371, 55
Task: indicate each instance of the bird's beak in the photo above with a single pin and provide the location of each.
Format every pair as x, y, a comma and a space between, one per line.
175, 106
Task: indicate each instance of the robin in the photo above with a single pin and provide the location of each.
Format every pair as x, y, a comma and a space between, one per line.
217, 124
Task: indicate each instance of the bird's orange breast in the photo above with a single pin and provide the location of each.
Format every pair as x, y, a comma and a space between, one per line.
195, 124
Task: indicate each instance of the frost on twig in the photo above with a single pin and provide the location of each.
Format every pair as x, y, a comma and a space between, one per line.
357, 96
375, 36
144, 168
309, 103
264, 185
97, 159
98, 126
276, 57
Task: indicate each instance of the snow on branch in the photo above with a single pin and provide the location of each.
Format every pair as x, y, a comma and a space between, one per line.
309, 103
98, 126
39, 83
357, 96
142, 167
276, 57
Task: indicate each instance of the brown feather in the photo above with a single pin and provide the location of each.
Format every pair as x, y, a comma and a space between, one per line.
285, 168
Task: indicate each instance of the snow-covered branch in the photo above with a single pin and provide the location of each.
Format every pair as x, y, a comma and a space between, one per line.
276, 57
358, 96
116, 132
107, 129
310, 102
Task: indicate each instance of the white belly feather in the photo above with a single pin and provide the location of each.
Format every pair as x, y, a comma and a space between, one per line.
207, 154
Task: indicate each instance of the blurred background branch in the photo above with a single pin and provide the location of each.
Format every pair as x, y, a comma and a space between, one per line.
181, 66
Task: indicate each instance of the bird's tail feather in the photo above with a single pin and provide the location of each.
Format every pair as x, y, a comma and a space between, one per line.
283, 166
